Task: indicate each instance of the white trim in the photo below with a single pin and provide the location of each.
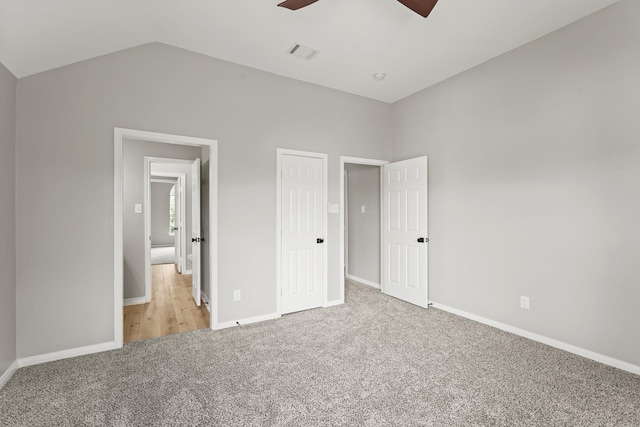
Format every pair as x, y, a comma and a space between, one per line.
356, 161
146, 211
213, 234
363, 281
278, 232
135, 301
345, 217
65, 354
248, 321
162, 181
118, 261
333, 303
119, 135
205, 300
625, 366
4, 379
325, 203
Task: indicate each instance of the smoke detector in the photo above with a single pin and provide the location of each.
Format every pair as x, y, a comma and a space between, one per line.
302, 52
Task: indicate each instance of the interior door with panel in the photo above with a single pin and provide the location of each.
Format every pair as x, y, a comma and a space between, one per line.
303, 234
405, 238
195, 231
177, 231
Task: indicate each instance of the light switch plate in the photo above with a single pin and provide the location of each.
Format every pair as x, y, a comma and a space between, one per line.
137, 208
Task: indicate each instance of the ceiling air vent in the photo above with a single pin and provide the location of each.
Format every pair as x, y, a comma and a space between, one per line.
303, 52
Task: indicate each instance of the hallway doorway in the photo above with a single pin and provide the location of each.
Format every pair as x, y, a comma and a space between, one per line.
131, 237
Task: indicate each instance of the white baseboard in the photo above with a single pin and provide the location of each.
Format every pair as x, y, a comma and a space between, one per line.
135, 301
65, 354
625, 366
363, 281
187, 272
247, 321
206, 300
333, 303
9, 373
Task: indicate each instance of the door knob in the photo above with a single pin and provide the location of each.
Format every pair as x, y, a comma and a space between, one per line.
319, 240
423, 240
195, 239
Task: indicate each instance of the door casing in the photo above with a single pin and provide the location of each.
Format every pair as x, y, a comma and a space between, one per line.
119, 136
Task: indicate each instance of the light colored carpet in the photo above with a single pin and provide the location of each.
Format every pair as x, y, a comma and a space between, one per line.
163, 255
374, 361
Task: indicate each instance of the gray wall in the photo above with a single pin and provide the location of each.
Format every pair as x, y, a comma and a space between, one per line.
65, 121
534, 184
133, 224
7, 219
160, 214
364, 228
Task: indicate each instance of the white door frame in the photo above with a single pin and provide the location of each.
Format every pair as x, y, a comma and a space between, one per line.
147, 215
325, 185
357, 161
119, 136
345, 213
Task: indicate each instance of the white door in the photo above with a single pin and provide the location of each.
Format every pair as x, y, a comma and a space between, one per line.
177, 230
195, 231
302, 256
405, 239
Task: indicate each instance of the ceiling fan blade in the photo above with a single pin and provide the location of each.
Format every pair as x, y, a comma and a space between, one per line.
296, 4
421, 7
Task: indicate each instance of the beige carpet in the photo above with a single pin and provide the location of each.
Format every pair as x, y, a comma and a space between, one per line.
374, 361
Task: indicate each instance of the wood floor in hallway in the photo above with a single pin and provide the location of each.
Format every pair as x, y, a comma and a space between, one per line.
170, 311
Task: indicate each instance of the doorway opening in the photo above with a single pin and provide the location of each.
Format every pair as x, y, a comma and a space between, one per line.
403, 227
361, 221
172, 297
362, 224
135, 280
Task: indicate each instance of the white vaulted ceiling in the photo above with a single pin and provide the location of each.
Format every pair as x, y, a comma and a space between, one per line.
356, 38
